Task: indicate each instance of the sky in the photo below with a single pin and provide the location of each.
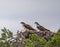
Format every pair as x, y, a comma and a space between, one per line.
46, 12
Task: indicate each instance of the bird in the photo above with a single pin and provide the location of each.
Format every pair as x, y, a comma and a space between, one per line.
41, 28
27, 26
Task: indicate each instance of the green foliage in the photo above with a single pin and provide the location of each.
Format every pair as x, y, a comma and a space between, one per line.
35, 41
10, 34
55, 41
34, 37
6, 34
28, 42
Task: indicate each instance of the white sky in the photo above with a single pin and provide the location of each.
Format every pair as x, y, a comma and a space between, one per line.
46, 12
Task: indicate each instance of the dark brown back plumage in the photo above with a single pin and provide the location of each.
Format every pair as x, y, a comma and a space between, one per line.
27, 26
41, 28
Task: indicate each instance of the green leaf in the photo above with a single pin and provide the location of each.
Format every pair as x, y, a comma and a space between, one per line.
4, 30
10, 34
3, 36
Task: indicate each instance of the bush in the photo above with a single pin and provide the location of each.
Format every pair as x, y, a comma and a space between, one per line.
55, 40
6, 34
35, 41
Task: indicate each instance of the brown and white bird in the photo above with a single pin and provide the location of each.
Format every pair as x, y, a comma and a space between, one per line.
27, 26
41, 28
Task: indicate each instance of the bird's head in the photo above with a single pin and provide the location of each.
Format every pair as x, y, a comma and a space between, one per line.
22, 23
37, 23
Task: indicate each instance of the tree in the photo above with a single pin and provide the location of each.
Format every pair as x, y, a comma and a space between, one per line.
35, 41
6, 34
55, 40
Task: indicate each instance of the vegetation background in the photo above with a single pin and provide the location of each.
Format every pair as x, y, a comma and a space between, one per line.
32, 41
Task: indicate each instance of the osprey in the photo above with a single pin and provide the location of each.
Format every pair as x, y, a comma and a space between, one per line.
41, 28
27, 26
